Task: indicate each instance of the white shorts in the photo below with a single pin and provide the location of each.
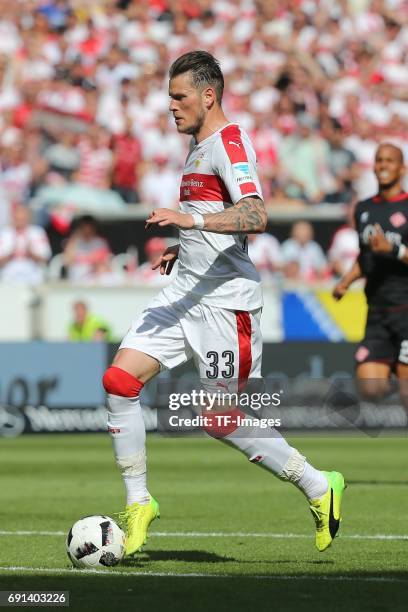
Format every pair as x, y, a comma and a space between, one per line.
223, 343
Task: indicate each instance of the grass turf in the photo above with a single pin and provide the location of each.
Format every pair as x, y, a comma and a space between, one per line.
48, 482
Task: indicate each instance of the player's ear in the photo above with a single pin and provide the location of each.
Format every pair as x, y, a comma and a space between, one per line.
209, 97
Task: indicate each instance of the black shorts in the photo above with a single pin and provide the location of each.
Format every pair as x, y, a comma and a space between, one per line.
386, 336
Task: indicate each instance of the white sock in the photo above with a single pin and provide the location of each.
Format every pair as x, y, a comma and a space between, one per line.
271, 453
127, 429
275, 455
136, 489
313, 483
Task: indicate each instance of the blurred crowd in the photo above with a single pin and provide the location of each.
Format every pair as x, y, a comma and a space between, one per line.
84, 103
88, 259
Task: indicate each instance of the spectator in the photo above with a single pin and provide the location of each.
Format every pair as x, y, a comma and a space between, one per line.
15, 173
126, 161
85, 250
265, 252
344, 248
305, 158
303, 258
95, 159
162, 140
63, 156
87, 327
342, 166
144, 273
163, 193
24, 250
292, 67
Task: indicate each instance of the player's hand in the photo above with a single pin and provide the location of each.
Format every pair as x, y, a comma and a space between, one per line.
166, 216
166, 260
378, 242
340, 290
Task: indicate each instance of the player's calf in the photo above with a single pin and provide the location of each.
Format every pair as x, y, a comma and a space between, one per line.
127, 430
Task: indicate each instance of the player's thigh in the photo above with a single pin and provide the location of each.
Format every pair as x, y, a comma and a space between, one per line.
377, 346
154, 340
398, 322
138, 364
226, 344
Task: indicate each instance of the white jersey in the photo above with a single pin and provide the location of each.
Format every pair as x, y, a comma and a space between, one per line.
22, 268
215, 268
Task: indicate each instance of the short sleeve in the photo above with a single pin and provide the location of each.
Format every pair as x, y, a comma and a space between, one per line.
234, 161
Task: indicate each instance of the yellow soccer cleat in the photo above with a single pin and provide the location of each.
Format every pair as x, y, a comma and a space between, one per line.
136, 520
326, 510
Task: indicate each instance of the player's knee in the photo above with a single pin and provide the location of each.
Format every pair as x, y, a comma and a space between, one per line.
119, 382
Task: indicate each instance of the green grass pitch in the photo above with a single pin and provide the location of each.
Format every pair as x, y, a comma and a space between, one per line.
204, 487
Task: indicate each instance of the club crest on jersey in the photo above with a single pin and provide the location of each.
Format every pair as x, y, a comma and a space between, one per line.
398, 219
199, 159
242, 173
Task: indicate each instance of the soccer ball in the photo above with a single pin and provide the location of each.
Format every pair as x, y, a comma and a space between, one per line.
95, 541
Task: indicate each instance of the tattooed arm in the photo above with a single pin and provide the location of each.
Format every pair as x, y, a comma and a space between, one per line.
248, 216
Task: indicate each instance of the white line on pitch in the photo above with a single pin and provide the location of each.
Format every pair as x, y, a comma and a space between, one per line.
222, 534
136, 574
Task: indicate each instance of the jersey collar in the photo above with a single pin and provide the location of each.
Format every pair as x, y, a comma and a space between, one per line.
398, 198
195, 144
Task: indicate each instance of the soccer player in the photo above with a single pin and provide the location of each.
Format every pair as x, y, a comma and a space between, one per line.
382, 226
211, 310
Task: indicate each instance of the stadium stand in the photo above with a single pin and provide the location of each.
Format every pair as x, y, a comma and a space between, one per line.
83, 103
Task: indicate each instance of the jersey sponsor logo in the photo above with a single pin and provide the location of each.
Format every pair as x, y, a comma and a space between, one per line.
364, 216
192, 183
242, 168
237, 144
398, 219
242, 173
197, 187
370, 230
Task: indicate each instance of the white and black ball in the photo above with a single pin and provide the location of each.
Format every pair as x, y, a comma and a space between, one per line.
95, 541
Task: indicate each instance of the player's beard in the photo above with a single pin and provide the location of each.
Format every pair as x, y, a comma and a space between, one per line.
388, 184
195, 127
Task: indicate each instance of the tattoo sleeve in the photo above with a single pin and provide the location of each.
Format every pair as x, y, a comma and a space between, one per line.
248, 216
